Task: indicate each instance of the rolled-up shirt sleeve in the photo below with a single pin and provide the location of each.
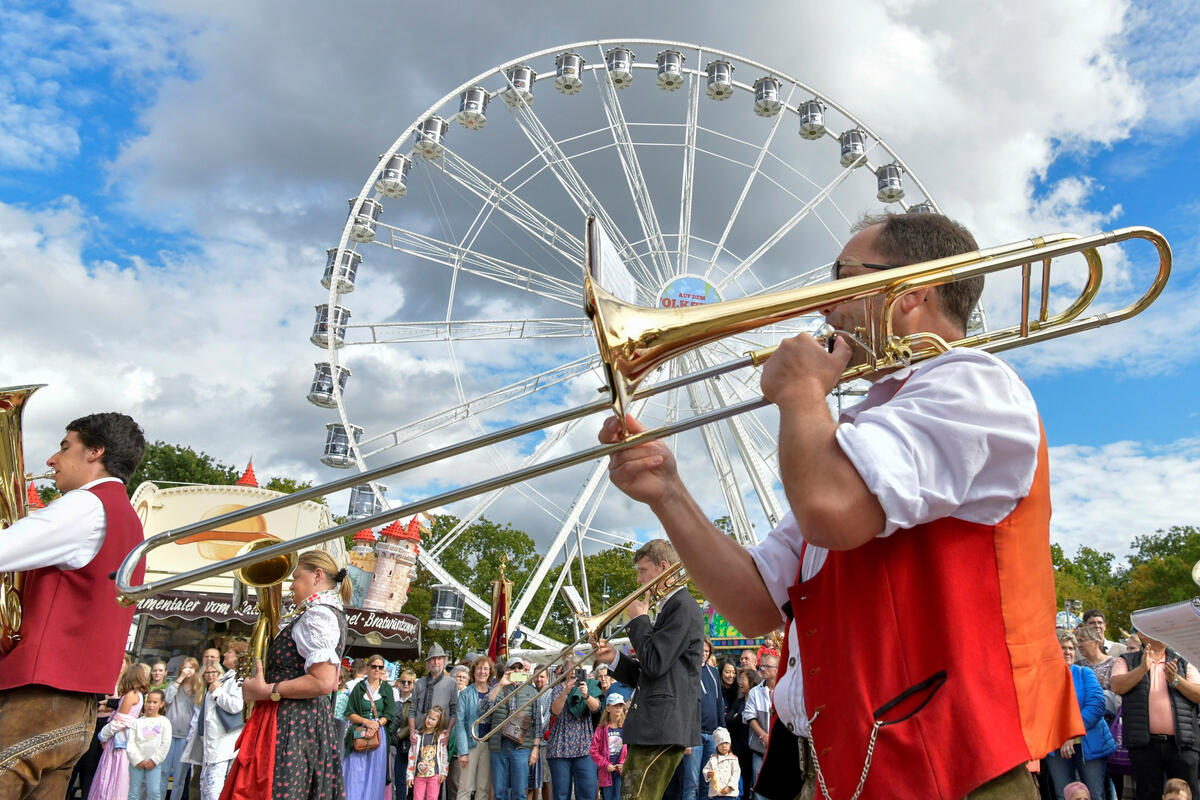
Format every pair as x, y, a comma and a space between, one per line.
777, 558
958, 438
316, 636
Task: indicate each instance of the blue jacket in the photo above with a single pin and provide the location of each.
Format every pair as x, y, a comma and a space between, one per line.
467, 712
712, 700
1098, 742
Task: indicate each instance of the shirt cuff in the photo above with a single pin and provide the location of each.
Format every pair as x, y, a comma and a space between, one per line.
320, 656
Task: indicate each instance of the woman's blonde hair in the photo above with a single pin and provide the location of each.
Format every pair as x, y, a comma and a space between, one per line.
134, 679
313, 560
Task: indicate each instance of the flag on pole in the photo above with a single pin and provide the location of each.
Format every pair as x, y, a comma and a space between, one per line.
498, 640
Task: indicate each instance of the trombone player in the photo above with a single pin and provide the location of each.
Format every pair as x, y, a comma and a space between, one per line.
73, 636
664, 711
918, 534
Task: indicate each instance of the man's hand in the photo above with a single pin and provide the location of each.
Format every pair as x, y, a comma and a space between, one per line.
637, 607
604, 652
256, 688
533, 756
645, 472
802, 367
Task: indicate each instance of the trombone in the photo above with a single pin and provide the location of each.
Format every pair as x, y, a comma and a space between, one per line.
672, 578
634, 340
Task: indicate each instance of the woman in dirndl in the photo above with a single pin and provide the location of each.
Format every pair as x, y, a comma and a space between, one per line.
289, 747
370, 708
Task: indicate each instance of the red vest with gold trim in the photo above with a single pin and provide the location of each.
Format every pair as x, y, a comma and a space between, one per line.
74, 630
973, 602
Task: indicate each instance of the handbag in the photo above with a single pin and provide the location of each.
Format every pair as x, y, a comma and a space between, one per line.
230, 720
363, 737
516, 728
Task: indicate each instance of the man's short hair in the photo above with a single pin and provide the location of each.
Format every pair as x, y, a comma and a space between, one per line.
658, 551
913, 238
122, 439
1093, 612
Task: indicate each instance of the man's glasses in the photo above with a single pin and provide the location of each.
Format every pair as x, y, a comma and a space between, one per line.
837, 266
764, 667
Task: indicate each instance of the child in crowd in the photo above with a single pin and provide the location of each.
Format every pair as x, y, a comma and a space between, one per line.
148, 744
112, 775
1177, 789
608, 748
1076, 790
429, 759
722, 772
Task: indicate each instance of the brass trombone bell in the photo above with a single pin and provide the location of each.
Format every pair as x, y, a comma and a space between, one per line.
269, 571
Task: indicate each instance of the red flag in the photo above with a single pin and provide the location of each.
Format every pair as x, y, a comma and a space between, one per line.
498, 640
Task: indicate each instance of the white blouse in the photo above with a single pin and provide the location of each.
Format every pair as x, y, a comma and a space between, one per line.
316, 632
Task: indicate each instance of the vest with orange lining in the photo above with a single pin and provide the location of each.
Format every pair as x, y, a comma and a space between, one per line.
971, 603
74, 630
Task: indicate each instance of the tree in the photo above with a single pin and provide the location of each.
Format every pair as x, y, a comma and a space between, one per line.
173, 463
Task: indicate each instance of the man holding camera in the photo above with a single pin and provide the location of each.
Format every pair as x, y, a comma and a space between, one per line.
664, 712
513, 745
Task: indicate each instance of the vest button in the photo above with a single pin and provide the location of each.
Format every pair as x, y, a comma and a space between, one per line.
791, 727
811, 632
814, 670
792, 661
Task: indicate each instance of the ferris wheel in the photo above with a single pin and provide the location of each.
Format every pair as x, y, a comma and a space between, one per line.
714, 176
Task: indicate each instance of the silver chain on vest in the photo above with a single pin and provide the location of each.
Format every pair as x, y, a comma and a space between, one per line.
862, 781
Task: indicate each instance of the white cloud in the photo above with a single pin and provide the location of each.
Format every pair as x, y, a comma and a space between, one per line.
1104, 496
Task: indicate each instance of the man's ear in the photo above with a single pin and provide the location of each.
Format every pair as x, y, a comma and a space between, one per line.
912, 300
95, 453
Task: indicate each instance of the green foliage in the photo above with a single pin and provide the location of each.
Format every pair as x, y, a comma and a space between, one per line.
1158, 572
289, 485
173, 463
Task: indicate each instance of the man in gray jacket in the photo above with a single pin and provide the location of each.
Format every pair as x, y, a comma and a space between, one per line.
436, 688
664, 712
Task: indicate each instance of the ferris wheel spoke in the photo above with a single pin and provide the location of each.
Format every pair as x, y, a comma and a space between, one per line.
686, 189
463, 330
447, 254
575, 186
783, 230
505, 200
634, 177
754, 172
477, 405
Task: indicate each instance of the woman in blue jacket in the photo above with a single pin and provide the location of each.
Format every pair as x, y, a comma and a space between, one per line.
476, 775
1088, 759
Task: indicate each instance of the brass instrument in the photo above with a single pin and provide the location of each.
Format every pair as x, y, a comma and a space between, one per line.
12, 504
634, 340
266, 577
672, 578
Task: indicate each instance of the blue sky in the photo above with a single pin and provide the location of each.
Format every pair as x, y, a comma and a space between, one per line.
170, 175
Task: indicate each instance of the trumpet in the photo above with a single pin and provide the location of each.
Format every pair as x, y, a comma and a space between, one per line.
672, 578
634, 340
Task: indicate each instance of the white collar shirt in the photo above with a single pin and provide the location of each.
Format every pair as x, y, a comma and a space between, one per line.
952, 436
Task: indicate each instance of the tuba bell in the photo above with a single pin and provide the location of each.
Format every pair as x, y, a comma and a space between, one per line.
266, 577
12, 504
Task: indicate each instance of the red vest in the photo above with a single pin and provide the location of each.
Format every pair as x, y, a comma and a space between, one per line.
973, 602
74, 631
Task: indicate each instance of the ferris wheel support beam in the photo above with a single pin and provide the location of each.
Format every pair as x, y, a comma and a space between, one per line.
632, 168
723, 466
570, 520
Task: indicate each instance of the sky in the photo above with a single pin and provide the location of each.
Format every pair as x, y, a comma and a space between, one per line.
171, 175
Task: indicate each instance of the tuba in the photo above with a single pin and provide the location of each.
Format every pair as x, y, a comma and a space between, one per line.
12, 504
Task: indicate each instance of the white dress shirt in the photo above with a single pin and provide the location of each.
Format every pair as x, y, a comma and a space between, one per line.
67, 533
953, 436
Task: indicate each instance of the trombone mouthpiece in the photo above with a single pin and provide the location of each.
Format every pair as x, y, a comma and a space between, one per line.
41, 476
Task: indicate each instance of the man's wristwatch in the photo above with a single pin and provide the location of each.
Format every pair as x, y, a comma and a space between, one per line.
275, 695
